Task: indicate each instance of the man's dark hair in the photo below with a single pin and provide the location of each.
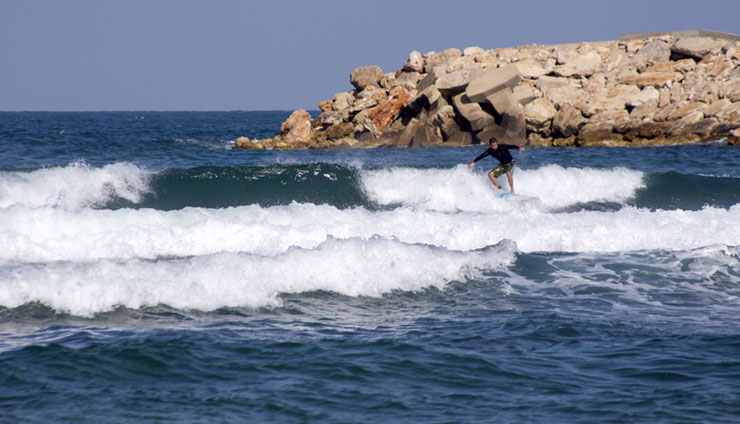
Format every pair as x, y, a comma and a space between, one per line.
492, 139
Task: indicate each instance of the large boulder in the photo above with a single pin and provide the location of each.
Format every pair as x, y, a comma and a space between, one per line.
366, 76
296, 130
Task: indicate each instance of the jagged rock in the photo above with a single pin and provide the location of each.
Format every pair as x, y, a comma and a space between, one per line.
415, 62
696, 47
562, 91
438, 59
531, 68
366, 76
296, 130
716, 107
326, 105
644, 111
338, 131
645, 95
384, 113
539, 114
654, 51
343, 101
492, 81
567, 121
599, 134
407, 80
581, 65
388, 81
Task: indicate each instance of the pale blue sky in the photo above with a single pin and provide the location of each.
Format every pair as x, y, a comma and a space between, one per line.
243, 55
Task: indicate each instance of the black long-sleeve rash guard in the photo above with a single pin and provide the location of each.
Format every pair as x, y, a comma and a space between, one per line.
502, 153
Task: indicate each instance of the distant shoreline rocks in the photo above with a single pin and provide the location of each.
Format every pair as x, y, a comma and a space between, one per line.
641, 90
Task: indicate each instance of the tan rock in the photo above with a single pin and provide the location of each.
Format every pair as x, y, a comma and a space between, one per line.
656, 79
342, 101
580, 65
612, 98
326, 105
440, 59
296, 130
565, 142
567, 121
537, 140
532, 68
644, 111
716, 107
415, 62
539, 114
683, 66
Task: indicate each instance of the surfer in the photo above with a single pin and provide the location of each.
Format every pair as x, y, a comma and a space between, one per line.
501, 153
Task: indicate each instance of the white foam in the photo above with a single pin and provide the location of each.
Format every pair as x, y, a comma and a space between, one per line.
352, 267
73, 187
459, 189
53, 234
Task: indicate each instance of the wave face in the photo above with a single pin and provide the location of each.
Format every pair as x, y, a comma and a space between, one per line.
125, 185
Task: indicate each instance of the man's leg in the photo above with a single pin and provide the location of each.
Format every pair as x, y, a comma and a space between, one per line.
493, 179
511, 180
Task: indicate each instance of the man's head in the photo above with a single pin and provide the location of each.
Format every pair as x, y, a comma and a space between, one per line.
493, 143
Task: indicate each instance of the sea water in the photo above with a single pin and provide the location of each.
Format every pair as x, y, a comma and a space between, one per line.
151, 273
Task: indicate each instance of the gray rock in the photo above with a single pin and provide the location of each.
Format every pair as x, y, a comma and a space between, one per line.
366, 76
439, 59
696, 47
655, 51
407, 80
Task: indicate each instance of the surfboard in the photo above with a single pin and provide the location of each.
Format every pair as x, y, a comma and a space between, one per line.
513, 196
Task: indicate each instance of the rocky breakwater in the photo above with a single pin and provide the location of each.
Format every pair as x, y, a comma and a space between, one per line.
640, 90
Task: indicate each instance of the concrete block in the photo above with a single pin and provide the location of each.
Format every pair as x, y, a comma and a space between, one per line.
523, 94
492, 81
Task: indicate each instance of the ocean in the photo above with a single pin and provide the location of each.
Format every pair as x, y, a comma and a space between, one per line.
151, 273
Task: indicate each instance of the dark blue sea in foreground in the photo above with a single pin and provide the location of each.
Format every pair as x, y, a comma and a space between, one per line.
150, 273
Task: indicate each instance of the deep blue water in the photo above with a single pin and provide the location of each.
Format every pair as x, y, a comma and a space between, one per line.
151, 273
